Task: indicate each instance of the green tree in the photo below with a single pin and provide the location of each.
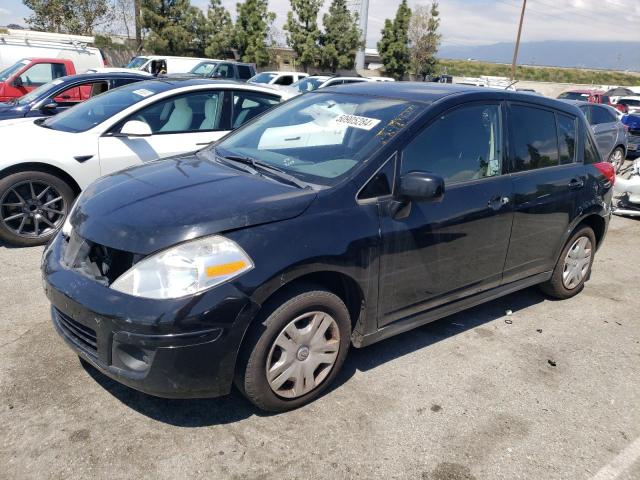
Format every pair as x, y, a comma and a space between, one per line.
175, 27
252, 30
219, 38
78, 17
341, 39
424, 39
303, 34
393, 47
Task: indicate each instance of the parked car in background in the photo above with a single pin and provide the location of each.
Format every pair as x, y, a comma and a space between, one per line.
16, 45
277, 78
260, 260
315, 82
30, 73
64, 92
632, 124
229, 70
630, 104
46, 162
175, 65
610, 133
589, 96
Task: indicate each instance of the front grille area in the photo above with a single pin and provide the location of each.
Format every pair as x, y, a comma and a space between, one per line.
82, 335
98, 262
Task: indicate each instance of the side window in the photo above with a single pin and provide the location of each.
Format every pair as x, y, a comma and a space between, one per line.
381, 184
225, 70
587, 112
244, 72
247, 105
534, 138
37, 75
566, 138
79, 93
196, 111
463, 144
119, 82
591, 153
284, 80
601, 115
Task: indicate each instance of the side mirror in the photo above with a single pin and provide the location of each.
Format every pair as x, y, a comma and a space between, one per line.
17, 82
135, 128
49, 106
216, 75
421, 186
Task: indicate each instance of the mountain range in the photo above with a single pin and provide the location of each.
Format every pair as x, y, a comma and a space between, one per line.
598, 55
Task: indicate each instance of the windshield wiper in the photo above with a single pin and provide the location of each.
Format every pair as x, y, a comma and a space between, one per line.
257, 165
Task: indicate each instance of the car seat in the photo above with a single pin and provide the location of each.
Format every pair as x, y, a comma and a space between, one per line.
180, 118
210, 114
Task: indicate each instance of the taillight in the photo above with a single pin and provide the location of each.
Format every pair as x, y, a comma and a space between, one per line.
607, 170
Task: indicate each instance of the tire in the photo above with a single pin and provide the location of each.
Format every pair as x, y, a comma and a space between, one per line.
617, 159
558, 285
33, 207
301, 310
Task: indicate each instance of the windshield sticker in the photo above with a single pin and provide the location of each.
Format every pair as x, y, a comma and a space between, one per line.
363, 123
143, 92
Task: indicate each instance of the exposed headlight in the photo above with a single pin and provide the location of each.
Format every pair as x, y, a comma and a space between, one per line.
66, 226
185, 269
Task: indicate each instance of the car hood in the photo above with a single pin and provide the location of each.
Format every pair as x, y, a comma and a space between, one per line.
151, 207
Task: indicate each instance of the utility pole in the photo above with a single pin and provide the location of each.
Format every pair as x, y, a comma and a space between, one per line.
138, 16
515, 53
363, 17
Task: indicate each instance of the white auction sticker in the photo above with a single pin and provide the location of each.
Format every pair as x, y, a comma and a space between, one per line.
143, 92
363, 123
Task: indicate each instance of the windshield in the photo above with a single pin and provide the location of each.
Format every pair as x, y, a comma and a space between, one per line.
204, 68
574, 96
137, 62
96, 110
7, 72
264, 77
319, 138
308, 84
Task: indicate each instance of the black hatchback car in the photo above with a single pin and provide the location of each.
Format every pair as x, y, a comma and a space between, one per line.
339, 218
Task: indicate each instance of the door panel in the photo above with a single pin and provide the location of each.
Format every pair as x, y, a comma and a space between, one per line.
434, 253
117, 153
444, 251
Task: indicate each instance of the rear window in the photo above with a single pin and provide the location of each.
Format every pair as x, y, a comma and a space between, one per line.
244, 72
574, 96
533, 138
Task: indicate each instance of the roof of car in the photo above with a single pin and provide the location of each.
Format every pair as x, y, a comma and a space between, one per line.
585, 90
427, 92
104, 76
172, 82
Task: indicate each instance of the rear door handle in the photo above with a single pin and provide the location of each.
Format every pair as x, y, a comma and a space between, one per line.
576, 183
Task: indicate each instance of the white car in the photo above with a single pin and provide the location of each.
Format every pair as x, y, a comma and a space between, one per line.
632, 104
46, 162
314, 82
277, 78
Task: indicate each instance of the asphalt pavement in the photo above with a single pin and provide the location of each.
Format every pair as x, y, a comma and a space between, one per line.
550, 391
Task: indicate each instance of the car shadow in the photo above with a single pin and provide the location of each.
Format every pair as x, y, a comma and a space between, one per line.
234, 407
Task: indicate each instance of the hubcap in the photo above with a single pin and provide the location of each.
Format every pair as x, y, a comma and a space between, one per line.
576, 263
616, 158
303, 354
32, 209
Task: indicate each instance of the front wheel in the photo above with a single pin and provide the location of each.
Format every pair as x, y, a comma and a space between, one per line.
573, 267
290, 358
617, 159
33, 206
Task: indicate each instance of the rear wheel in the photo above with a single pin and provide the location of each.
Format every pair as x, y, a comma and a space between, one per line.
573, 267
290, 358
33, 206
617, 159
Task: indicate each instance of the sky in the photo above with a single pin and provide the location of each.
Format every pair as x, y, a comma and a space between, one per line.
477, 22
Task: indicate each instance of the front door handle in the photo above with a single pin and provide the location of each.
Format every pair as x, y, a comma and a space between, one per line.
497, 202
576, 183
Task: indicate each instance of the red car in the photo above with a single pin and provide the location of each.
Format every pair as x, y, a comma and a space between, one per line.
591, 96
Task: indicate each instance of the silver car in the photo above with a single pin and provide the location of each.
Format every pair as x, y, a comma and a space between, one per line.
609, 131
